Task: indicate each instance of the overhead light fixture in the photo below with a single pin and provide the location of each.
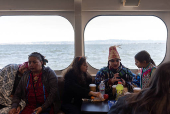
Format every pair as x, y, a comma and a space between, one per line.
132, 3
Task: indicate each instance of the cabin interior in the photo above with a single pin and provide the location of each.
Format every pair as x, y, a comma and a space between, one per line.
80, 12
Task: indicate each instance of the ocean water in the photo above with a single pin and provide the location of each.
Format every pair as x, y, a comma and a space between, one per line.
61, 55
97, 55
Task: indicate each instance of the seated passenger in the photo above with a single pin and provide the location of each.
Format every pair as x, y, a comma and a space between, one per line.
10, 76
151, 100
144, 61
38, 88
76, 87
114, 72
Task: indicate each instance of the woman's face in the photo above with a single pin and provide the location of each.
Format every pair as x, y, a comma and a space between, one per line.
34, 64
83, 67
138, 64
114, 63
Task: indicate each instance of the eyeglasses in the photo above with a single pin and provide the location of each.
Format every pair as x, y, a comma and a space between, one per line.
113, 60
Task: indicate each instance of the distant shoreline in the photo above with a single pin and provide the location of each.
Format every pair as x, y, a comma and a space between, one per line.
112, 41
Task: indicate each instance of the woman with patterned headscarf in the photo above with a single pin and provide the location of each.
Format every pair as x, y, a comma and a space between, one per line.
38, 88
114, 72
10, 76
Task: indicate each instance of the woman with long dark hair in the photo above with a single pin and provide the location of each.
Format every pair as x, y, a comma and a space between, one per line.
152, 100
38, 88
143, 60
76, 86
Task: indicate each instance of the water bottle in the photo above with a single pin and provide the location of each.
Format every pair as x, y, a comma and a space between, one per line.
102, 88
119, 90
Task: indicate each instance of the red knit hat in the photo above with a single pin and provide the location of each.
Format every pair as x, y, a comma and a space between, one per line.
113, 54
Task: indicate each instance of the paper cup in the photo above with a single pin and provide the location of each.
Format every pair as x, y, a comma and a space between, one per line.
136, 89
114, 89
92, 87
125, 90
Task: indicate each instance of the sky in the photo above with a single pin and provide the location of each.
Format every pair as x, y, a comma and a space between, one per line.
126, 27
24, 29
35, 28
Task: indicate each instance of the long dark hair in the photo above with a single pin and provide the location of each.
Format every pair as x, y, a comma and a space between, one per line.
156, 98
77, 62
144, 56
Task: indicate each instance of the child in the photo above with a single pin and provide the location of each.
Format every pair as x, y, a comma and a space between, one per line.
147, 65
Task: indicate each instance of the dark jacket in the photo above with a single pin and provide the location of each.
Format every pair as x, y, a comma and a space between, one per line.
49, 79
73, 91
121, 107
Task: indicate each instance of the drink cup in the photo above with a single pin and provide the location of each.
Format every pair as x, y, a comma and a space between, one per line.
114, 89
92, 87
125, 90
136, 89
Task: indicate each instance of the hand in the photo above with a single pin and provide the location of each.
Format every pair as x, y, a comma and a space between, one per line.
123, 82
99, 95
38, 110
12, 111
96, 94
18, 110
114, 79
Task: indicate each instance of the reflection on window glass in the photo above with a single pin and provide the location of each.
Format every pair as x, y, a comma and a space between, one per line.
132, 33
52, 36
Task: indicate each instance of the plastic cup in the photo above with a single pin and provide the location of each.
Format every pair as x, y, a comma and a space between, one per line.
92, 87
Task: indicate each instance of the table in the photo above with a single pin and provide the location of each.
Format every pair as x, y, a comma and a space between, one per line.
95, 107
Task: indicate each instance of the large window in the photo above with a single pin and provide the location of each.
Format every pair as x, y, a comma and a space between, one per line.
52, 36
132, 33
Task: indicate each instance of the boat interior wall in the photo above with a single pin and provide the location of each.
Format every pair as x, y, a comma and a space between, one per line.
131, 3
37, 5
112, 5
87, 5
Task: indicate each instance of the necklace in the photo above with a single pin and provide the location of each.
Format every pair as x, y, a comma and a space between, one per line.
36, 77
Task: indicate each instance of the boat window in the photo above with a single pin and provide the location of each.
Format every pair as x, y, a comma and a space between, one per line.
52, 36
132, 33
